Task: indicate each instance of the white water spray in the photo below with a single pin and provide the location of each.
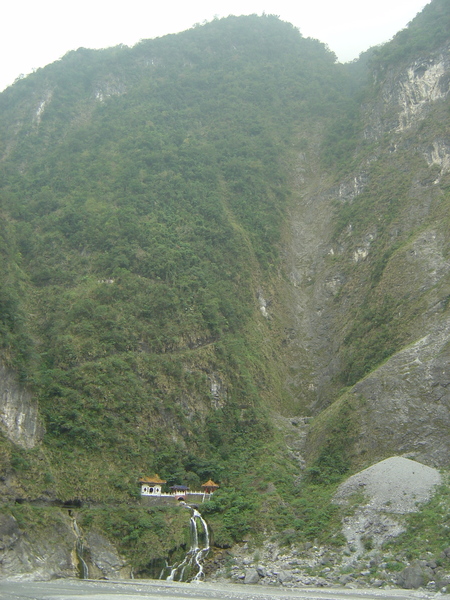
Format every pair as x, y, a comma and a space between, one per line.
196, 553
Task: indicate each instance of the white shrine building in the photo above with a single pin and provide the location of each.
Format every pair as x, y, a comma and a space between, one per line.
151, 489
151, 486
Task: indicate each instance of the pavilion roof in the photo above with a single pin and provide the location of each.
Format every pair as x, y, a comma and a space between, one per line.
153, 479
210, 483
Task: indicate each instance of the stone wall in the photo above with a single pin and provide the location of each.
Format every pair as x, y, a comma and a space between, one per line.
191, 498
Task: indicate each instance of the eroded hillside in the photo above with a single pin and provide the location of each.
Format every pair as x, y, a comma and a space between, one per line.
224, 256
377, 282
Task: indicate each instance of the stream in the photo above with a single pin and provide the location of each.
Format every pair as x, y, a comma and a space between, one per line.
191, 567
79, 551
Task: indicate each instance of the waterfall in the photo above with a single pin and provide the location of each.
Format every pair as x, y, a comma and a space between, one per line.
79, 550
196, 553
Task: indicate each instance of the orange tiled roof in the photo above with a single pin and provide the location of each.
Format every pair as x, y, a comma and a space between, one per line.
154, 479
210, 483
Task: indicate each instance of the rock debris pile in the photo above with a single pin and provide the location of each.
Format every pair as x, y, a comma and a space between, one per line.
392, 487
375, 499
321, 567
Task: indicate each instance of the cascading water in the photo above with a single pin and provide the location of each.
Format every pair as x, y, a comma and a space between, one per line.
79, 551
197, 552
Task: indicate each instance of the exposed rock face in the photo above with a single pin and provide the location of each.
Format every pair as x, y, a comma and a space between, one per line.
314, 283
403, 406
37, 554
405, 97
48, 550
438, 153
424, 82
406, 402
218, 391
102, 559
19, 417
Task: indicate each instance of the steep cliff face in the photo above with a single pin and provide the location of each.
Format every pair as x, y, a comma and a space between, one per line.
51, 546
19, 414
407, 94
404, 406
382, 272
313, 283
45, 552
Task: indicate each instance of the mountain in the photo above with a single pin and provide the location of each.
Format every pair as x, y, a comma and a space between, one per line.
224, 256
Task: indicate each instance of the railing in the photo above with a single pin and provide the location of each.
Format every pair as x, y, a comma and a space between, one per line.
179, 494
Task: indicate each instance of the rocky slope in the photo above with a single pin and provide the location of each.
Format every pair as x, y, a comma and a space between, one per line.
401, 406
185, 341
376, 500
56, 548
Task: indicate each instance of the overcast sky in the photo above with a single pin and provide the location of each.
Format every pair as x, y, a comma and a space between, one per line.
37, 32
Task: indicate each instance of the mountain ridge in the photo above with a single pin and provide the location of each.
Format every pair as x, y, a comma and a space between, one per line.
222, 231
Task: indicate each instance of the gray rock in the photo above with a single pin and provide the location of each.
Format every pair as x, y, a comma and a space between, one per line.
103, 560
375, 559
39, 554
411, 578
284, 576
389, 488
400, 406
19, 416
251, 576
442, 579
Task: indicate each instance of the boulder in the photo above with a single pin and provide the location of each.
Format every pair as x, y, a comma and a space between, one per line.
411, 578
284, 576
103, 559
251, 576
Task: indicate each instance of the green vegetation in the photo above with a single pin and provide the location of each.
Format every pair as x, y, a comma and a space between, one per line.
144, 200
142, 535
427, 530
428, 31
388, 217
